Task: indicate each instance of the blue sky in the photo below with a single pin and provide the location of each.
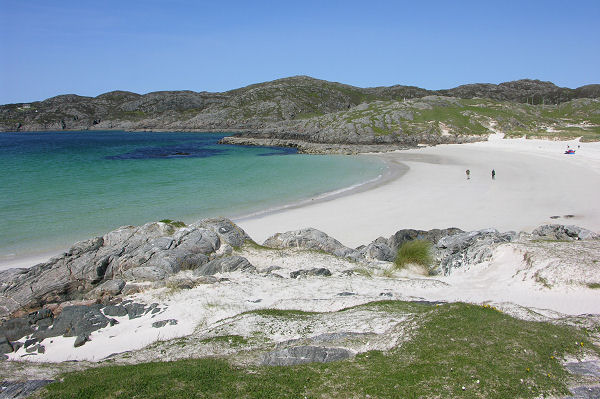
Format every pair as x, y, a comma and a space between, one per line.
91, 47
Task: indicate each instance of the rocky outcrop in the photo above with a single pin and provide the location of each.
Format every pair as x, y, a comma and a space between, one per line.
469, 248
561, 232
312, 239
101, 266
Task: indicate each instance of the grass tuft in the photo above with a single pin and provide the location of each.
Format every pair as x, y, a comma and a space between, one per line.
414, 252
173, 223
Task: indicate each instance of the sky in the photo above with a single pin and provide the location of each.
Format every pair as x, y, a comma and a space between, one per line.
86, 47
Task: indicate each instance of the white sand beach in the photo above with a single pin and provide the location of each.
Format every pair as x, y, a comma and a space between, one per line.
534, 181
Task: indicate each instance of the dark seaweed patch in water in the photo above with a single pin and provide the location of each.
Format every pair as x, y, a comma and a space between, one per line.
168, 152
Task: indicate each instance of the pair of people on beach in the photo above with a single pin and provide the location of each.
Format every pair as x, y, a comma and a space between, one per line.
468, 172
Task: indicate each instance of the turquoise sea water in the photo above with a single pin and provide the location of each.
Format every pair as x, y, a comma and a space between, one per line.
60, 187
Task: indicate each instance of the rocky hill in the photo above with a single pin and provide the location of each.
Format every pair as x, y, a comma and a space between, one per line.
318, 111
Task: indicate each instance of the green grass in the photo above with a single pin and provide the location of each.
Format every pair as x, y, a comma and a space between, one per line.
593, 286
414, 252
173, 223
455, 345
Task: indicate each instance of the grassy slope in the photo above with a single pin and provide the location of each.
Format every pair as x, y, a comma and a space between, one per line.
456, 345
467, 117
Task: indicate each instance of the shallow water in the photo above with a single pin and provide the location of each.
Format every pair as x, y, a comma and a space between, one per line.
60, 187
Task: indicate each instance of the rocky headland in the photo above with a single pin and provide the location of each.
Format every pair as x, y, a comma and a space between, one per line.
318, 116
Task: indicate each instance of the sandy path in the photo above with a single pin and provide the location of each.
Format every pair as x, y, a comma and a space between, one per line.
534, 181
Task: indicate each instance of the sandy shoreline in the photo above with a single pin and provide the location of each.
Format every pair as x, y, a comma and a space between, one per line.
535, 181
427, 188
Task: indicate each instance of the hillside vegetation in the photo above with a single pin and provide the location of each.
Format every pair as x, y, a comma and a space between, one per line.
303, 108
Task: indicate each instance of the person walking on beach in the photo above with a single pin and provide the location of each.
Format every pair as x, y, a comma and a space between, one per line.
493, 174
468, 172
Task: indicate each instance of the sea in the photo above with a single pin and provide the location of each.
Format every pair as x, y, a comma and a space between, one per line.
57, 188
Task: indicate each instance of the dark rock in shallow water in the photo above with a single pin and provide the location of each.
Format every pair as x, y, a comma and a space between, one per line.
305, 354
21, 389
224, 265
317, 271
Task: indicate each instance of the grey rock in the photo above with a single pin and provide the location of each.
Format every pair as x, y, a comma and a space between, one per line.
270, 269
135, 310
81, 340
114, 310
107, 288
562, 232
5, 345
467, 248
305, 354
162, 323
346, 293
15, 329
317, 271
224, 265
588, 368
228, 232
433, 236
99, 267
313, 239
21, 389
76, 320
379, 251
584, 392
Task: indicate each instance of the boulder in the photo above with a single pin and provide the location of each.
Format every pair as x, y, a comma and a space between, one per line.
5, 345
15, 329
75, 321
313, 239
561, 232
469, 248
81, 340
162, 323
21, 389
108, 288
114, 311
317, 271
98, 267
224, 265
305, 354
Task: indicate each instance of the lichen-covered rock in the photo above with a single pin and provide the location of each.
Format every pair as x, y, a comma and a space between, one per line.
224, 265
108, 288
562, 232
310, 238
317, 271
469, 248
99, 266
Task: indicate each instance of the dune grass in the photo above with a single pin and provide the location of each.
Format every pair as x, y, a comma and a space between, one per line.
489, 353
414, 252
